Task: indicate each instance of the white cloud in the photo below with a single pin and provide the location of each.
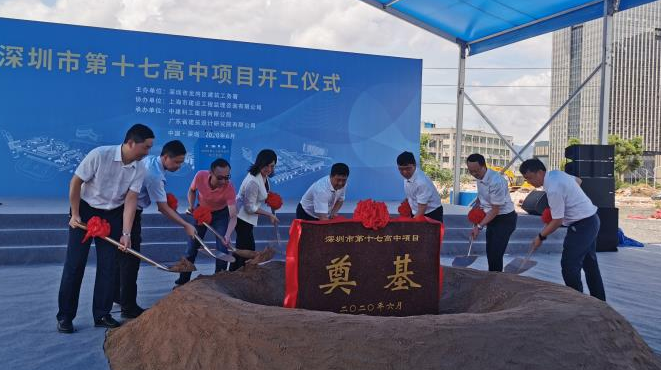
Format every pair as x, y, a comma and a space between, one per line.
346, 25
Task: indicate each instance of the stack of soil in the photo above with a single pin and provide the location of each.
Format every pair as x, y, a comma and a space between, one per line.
487, 321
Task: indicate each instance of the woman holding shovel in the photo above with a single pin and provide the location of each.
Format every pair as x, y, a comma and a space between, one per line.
494, 199
214, 191
252, 194
570, 207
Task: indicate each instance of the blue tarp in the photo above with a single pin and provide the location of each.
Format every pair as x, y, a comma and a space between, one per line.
487, 24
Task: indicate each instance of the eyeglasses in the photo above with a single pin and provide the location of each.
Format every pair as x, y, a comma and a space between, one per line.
226, 178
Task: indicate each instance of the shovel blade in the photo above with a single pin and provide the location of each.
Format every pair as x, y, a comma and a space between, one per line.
219, 256
463, 261
520, 265
226, 257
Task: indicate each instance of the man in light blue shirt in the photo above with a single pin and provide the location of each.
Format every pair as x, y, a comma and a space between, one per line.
153, 190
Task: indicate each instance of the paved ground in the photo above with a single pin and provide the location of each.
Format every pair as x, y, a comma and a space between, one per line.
645, 231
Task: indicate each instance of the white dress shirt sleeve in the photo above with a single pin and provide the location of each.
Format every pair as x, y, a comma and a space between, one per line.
499, 193
136, 183
89, 165
556, 203
251, 193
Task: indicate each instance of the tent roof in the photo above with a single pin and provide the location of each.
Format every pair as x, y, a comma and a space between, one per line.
488, 24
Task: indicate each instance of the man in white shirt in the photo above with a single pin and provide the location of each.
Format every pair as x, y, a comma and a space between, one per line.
324, 198
420, 191
106, 184
570, 207
493, 197
153, 190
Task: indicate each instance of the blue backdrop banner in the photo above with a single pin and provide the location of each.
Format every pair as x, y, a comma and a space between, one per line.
67, 89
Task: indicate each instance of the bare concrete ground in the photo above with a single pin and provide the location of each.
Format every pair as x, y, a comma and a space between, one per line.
645, 231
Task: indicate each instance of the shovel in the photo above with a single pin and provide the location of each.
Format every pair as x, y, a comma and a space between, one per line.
220, 256
230, 247
182, 266
467, 260
520, 265
275, 229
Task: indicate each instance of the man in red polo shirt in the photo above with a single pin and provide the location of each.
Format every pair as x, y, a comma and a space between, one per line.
213, 190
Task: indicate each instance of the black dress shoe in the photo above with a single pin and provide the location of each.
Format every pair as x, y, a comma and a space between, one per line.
132, 313
65, 326
106, 322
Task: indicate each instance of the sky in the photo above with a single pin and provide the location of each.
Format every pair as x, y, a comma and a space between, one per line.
343, 25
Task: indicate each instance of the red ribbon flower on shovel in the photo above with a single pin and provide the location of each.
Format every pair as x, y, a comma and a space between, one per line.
172, 201
97, 227
373, 215
476, 215
546, 215
274, 201
404, 209
202, 214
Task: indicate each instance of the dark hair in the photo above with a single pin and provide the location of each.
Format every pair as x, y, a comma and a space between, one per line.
340, 169
138, 133
476, 157
405, 159
219, 162
264, 158
531, 165
173, 149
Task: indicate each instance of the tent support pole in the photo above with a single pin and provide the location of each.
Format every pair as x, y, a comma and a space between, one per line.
460, 124
606, 66
493, 126
555, 114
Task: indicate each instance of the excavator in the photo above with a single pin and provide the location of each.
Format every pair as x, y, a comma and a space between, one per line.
512, 179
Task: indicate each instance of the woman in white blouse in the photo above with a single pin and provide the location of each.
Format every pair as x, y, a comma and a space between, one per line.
252, 195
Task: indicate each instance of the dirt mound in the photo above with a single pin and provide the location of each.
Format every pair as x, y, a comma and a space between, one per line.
637, 191
487, 321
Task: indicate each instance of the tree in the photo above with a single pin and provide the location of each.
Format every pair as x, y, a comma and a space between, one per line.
628, 154
573, 141
428, 162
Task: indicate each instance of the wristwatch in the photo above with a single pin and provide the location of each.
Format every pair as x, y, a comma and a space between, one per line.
541, 237
125, 233
480, 227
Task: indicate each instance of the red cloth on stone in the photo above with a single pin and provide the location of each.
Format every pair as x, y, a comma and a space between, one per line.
373, 215
274, 201
404, 209
172, 201
97, 227
546, 215
202, 214
476, 215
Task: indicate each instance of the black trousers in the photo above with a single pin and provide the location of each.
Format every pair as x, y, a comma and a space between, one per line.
302, 215
126, 273
244, 240
499, 231
579, 251
436, 214
76, 259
